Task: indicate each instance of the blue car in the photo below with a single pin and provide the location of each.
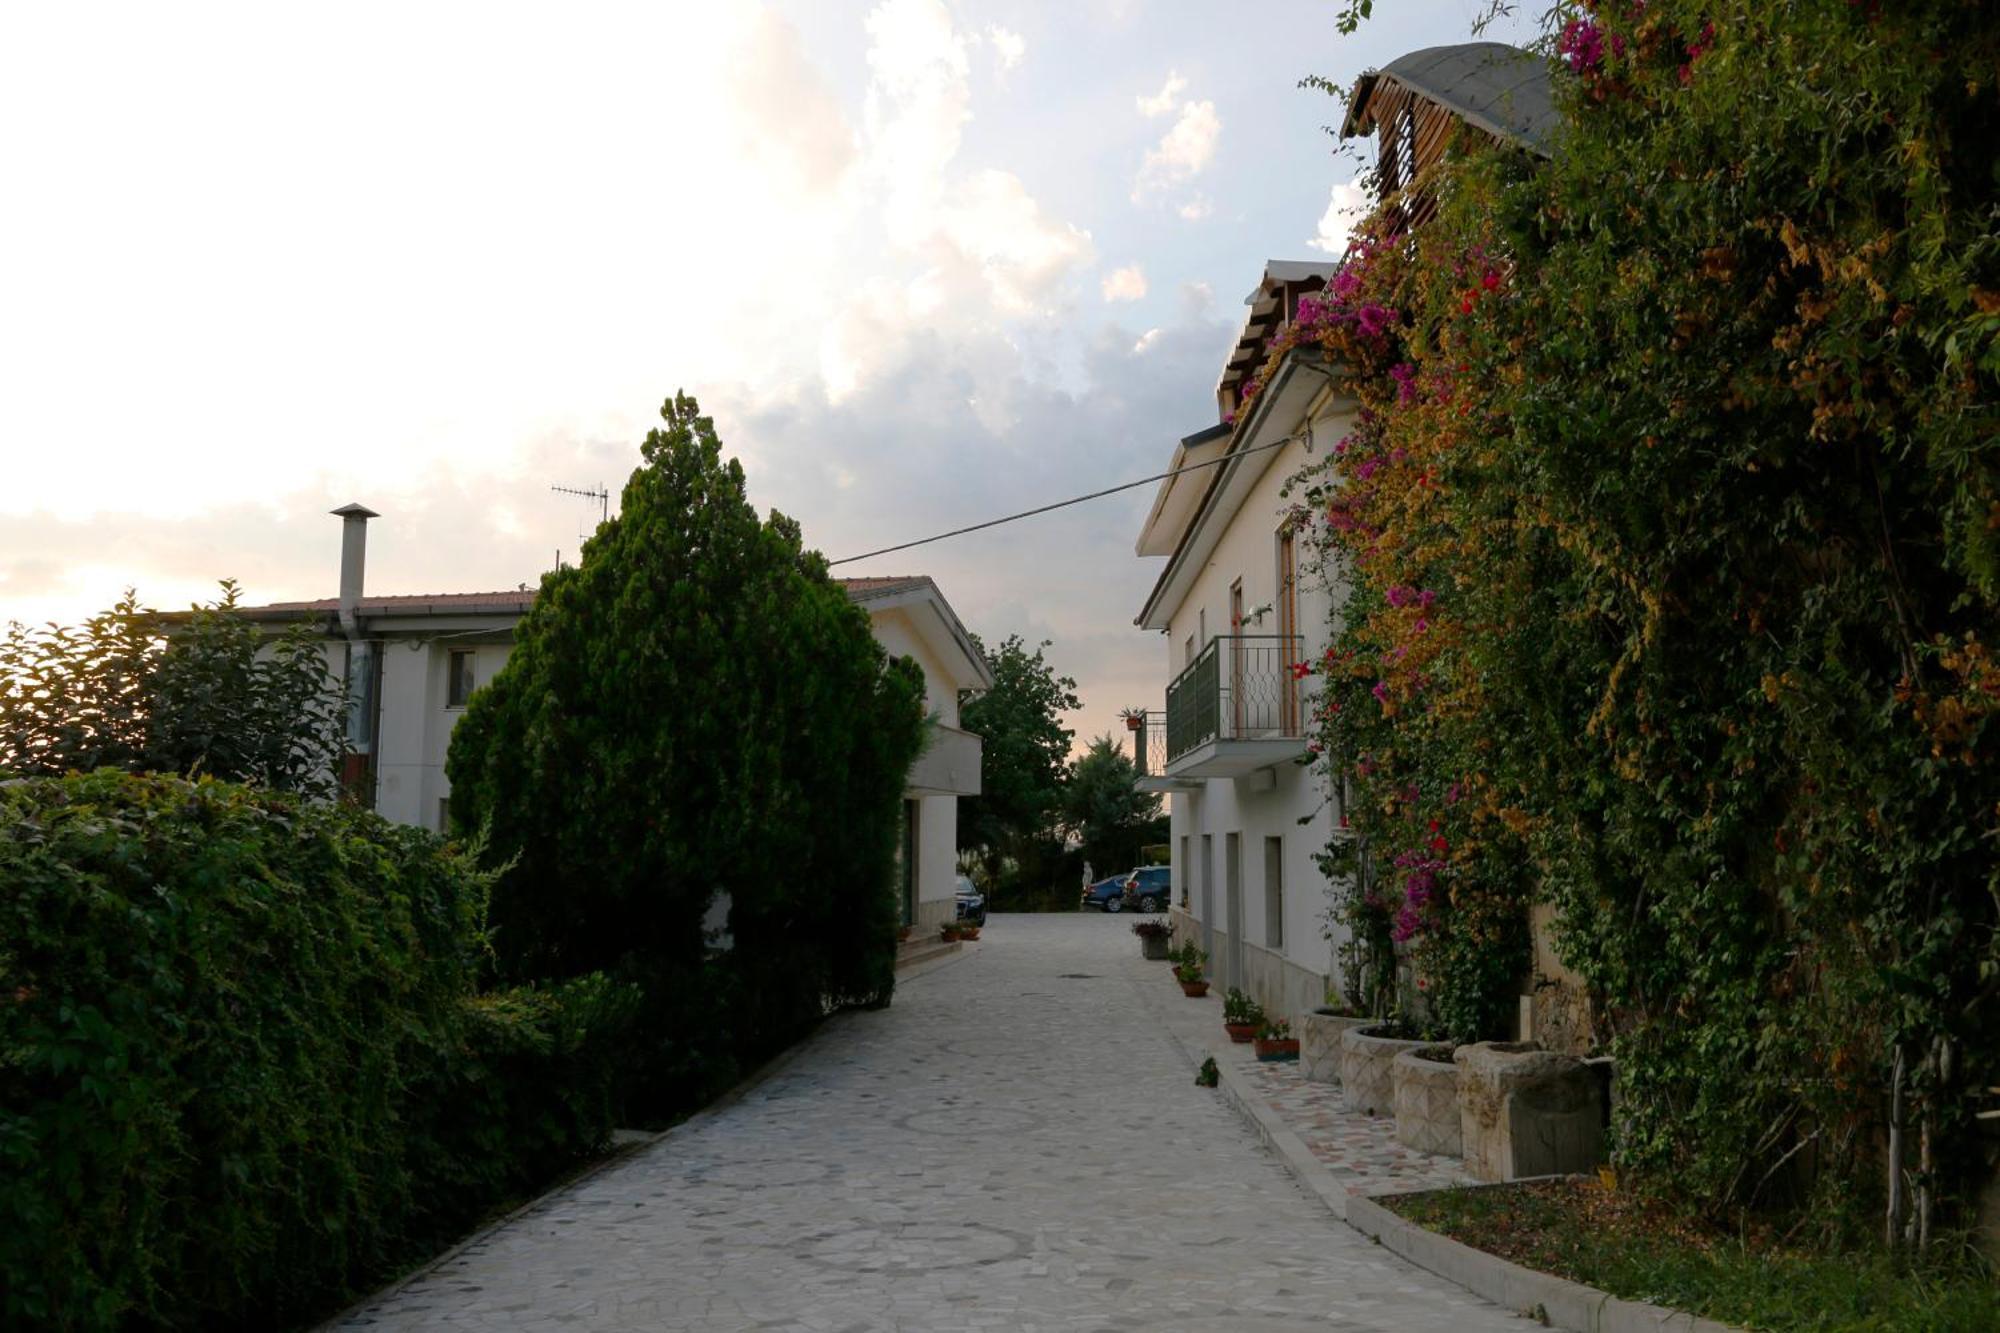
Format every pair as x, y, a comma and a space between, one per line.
1148, 888
1107, 895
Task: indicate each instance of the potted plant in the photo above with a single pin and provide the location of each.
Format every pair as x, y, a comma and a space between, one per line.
959, 930
1191, 971
1241, 1016
1274, 1041
1155, 938
1135, 718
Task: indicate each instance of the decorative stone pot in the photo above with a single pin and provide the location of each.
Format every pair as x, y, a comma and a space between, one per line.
1154, 947
1277, 1048
1367, 1070
1319, 1043
1240, 1032
1524, 1111
1426, 1090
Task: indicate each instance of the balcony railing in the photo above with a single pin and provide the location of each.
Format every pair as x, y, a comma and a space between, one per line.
1241, 687
1149, 743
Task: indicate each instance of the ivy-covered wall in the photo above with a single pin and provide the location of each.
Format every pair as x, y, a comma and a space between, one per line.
1674, 524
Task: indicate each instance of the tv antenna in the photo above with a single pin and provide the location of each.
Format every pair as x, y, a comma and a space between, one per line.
598, 493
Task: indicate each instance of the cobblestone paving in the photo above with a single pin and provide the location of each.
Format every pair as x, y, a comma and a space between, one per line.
1361, 1151
1015, 1144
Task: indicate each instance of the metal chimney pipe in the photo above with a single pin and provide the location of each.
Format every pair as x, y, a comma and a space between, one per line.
360, 653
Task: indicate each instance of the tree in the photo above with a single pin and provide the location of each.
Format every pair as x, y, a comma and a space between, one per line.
695, 716
1026, 747
1104, 809
211, 693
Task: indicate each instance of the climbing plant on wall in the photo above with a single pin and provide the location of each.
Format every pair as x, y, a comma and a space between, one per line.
1672, 524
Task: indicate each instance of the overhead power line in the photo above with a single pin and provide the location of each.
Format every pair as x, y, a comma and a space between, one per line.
1073, 500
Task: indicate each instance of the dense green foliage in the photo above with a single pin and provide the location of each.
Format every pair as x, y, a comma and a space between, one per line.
1012, 824
1673, 527
242, 1068
1104, 809
210, 693
696, 715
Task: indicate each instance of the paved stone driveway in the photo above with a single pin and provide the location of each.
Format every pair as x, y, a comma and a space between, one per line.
1015, 1144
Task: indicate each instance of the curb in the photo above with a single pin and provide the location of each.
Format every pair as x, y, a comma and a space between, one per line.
1554, 1301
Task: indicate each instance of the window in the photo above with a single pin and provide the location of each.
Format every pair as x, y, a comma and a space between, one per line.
458, 682
1274, 892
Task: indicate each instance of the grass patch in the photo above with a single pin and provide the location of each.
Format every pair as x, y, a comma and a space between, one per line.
1584, 1231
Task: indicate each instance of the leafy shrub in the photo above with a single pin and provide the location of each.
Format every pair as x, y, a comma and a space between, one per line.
210, 694
695, 716
242, 1071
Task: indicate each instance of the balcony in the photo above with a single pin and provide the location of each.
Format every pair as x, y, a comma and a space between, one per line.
949, 765
1234, 710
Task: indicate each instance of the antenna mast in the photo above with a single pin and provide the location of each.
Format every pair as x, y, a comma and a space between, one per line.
599, 493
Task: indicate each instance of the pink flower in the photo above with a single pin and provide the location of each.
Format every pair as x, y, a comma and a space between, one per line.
1581, 45
1380, 691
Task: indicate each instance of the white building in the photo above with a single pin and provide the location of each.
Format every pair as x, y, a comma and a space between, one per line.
1237, 610
416, 660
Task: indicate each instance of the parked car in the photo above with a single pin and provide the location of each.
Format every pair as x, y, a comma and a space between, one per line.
1107, 895
971, 902
1148, 888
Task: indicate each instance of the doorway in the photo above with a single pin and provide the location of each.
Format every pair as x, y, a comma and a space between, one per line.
911, 811
1232, 855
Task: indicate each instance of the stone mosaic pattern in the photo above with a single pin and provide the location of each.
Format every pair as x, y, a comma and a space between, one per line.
1427, 1105
1362, 1152
967, 1159
1368, 1071
1319, 1044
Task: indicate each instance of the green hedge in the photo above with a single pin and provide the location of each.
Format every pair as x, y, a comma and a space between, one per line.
243, 1070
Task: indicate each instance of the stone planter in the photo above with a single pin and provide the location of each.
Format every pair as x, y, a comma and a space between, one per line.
1155, 947
1426, 1092
1367, 1070
1524, 1111
1319, 1043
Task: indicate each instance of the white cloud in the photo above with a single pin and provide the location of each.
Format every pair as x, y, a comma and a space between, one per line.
1146, 340
1161, 102
1195, 209
1008, 46
1183, 152
1347, 205
788, 118
1125, 284
993, 220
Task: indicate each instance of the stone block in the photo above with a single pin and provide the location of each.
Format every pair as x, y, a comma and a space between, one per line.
1367, 1070
1524, 1111
1319, 1043
1426, 1092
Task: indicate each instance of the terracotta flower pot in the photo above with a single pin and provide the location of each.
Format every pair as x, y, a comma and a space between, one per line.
968, 932
1194, 990
1277, 1048
1241, 1032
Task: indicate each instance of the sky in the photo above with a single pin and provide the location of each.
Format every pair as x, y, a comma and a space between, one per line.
925, 263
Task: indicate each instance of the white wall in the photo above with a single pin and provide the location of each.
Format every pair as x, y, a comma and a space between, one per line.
1248, 549
937, 820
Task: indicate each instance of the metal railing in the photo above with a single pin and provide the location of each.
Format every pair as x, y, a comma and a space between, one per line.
1240, 687
1149, 743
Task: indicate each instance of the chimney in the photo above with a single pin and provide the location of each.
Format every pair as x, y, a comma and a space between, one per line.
353, 558
360, 681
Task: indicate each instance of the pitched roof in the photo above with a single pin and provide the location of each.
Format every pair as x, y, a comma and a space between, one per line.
863, 590
513, 600
1499, 88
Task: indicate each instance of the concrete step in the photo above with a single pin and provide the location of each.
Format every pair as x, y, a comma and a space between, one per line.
912, 952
